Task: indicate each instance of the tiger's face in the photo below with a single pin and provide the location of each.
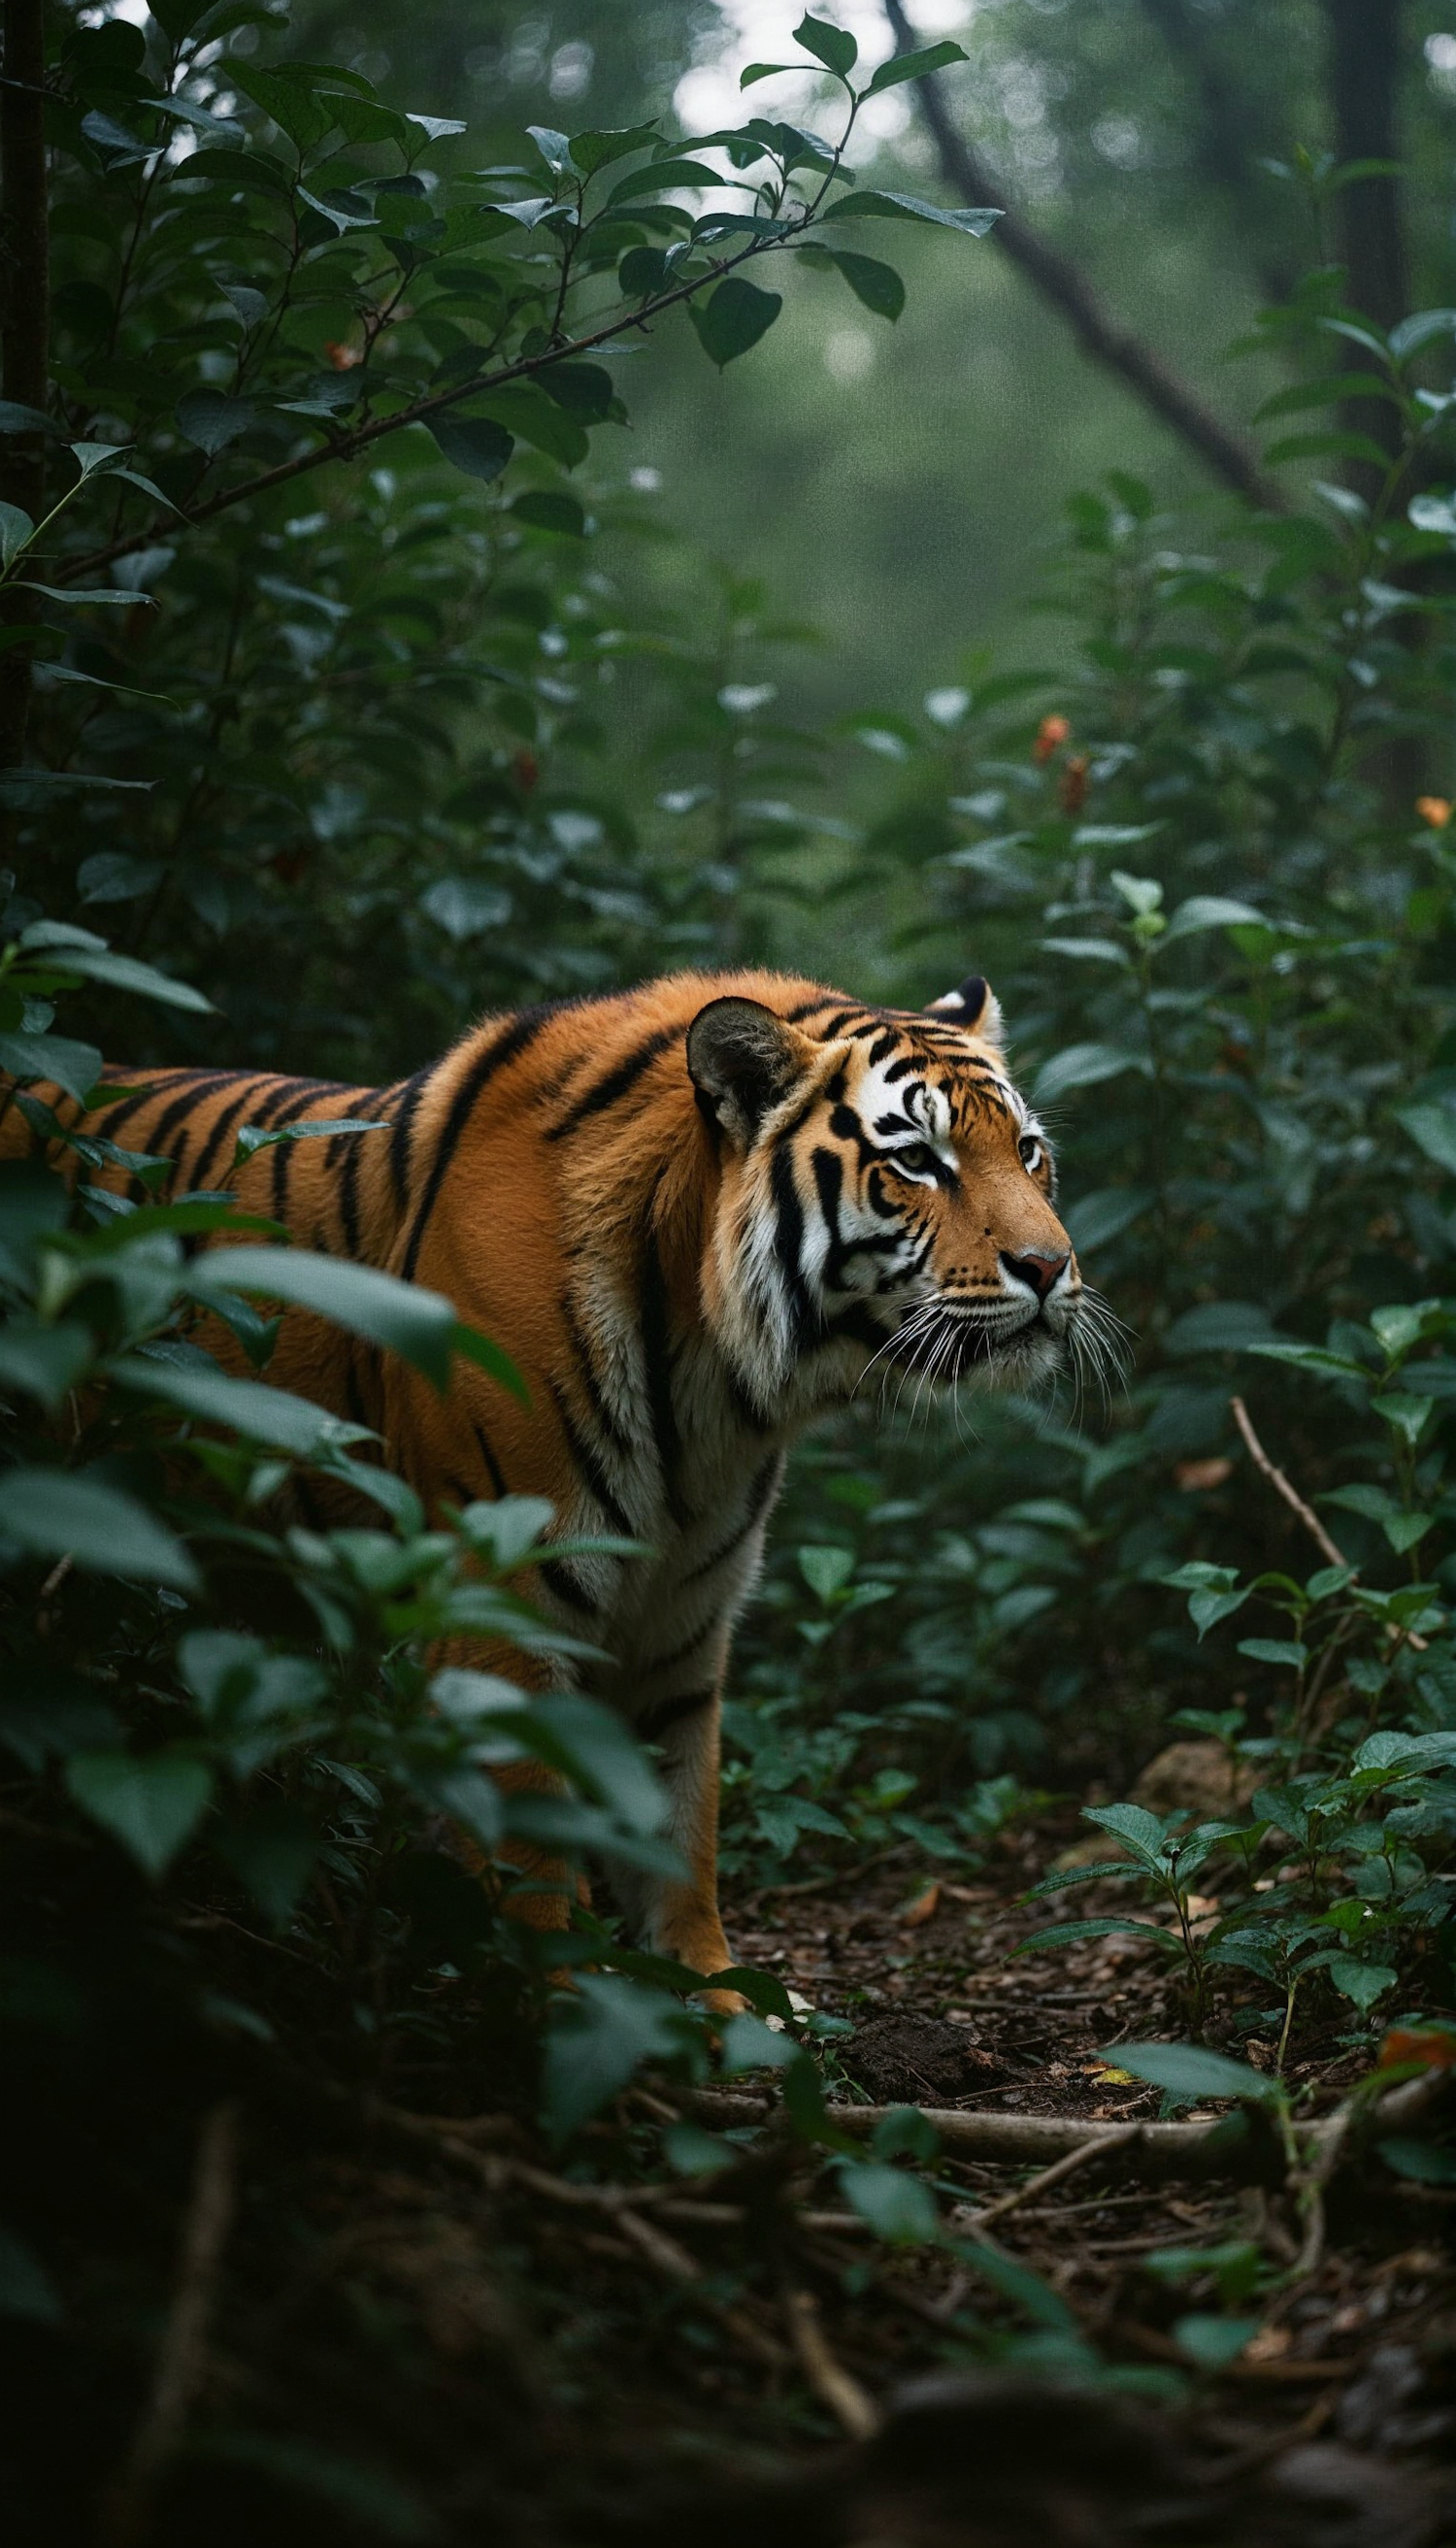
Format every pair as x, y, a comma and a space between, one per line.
886, 1197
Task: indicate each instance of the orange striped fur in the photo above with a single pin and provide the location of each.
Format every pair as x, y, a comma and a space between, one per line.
695, 1214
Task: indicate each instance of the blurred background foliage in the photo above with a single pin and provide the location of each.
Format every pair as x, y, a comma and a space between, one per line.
825, 660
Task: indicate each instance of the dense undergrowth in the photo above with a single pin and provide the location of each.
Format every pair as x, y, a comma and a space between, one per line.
318, 769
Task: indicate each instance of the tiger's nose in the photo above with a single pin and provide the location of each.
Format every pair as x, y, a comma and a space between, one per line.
1039, 1271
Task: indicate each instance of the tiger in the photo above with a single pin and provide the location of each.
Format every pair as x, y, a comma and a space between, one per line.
697, 1214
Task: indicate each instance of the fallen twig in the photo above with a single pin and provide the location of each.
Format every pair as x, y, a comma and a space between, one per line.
181, 2364
1153, 2153
1053, 2175
851, 2405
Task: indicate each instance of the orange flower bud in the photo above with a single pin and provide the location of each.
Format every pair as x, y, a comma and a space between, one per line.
1051, 731
526, 768
343, 358
1071, 795
1436, 810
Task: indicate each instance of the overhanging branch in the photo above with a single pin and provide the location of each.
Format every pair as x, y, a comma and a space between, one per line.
1063, 283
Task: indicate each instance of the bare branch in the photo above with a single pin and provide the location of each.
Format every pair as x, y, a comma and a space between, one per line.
1281, 1486
1070, 290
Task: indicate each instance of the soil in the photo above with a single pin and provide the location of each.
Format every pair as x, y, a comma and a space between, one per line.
418, 2323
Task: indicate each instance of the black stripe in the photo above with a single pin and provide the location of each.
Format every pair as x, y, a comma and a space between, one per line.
651, 1727
679, 1654
521, 1032
410, 1092
617, 1083
112, 1118
589, 1464
353, 1395
348, 1184
221, 1124
760, 1495
494, 1469
807, 1009
277, 1118
788, 1243
557, 1576
175, 1115
587, 1371
657, 1354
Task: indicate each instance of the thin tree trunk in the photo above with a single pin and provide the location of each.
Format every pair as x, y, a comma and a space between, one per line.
1062, 282
1364, 72
25, 315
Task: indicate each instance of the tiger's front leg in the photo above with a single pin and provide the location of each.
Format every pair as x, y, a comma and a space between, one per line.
679, 1916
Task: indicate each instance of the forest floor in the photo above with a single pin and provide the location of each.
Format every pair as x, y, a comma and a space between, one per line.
407, 2320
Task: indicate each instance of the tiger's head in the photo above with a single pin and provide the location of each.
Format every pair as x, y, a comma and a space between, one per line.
886, 1197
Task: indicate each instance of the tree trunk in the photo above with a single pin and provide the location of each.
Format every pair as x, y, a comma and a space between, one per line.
25, 314
1364, 61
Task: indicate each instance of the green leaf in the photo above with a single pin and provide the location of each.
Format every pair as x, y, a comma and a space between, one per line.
257, 1136
1405, 1415
877, 286
1422, 328
1070, 1932
596, 2039
916, 65
1212, 2343
1283, 1651
826, 1570
831, 45
546, 508
750, 2045
17, 530
734, 319
1431, 1125
16, 418
896, 2206
594, 150
43, 1360
1361, 1982
1062, 1877
554, 148
248, 1406
1087, 1065
55, 1512
877, 204
905, 2132
490, 1357
1189, 2071
77, 951
1206, 1609
475, 444
411, 1321
209, 421
756, 71
76, 1067
1423, 2162
1212, 911
1327, 1366
1144, 1832
150, 1803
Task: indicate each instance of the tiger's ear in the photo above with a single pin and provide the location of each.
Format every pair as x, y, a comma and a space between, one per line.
974, 1006
742, 1060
